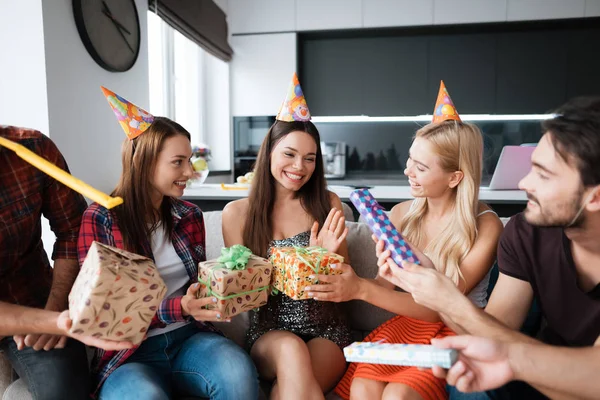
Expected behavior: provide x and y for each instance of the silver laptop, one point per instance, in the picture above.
(513, 165)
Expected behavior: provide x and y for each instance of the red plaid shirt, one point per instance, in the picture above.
(99, 224)
(25, 194)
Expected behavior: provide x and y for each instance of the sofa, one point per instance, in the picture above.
(363, 317)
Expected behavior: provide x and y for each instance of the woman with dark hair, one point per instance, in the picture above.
(295, 343)
(181, 355)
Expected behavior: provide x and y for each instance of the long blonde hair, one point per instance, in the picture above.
(459, 147)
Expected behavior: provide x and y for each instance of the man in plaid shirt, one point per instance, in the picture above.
(52, 366)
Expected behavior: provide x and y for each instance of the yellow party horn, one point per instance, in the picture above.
(233, 187)
(60, 175)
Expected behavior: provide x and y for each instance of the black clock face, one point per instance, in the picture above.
(110, 31)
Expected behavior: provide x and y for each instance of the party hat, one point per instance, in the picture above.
(294, 106)
(444, 108)
(133, 119)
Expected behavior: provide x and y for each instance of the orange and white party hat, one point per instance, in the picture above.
(294, 106)
(444, 107)
(133, 119)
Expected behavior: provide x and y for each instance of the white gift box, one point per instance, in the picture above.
(414, 355)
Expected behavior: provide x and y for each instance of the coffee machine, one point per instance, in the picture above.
(334, 159)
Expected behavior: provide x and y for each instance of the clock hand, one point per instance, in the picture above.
(124, 38)
(109, 15)
(107, 12)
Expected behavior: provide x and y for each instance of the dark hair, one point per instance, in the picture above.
(575, 135)
(258, 229)
(136, 216)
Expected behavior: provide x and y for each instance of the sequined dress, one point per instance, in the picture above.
(308, 319)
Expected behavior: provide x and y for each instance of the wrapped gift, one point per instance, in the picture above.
(294, 266)
(414, 355)
(382, 227)
(115, 295)
(238, 279)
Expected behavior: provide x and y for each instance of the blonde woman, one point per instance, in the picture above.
(450, 230)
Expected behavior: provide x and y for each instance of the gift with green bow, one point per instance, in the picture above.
(238, 280)
(294, 268)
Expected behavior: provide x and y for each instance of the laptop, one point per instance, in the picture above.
(513, 165)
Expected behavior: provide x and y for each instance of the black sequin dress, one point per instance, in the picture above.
(308, 319)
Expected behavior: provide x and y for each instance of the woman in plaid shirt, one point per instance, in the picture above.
(181, 355)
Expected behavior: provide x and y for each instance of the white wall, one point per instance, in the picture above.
(23, 100)
(80, 120)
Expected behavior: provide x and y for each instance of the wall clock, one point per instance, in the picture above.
(110, 31)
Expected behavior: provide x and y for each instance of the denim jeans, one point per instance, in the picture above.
(455, 394)
(51, 375)
(184, 362)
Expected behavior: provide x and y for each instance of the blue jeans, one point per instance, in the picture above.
(455, 394)
(184, 362)
(51, 375)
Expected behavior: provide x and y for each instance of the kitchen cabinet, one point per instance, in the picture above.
(314, 15)
(260, 72)
(386, 13)
(468, 11)
(261, 16)
(530, 10)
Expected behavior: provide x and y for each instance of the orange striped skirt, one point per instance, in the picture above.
(400, 329)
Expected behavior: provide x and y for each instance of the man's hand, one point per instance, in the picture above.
(483, 363)
(428, 287)
(40, 342)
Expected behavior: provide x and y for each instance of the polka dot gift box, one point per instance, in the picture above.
(381, 226)
(115, 295)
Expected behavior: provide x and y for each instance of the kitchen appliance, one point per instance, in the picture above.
(334, 159)
(248, 134)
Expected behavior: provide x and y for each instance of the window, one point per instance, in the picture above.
(190, 86)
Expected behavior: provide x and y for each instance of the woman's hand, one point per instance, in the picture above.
(333, 232)
(191, 305)
(336, 288)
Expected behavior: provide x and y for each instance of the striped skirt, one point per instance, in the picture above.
(400, 329)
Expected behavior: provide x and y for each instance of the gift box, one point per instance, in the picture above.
(414, 355)
(238, 279)
(293, 266)
(115, 295)
(382, 227)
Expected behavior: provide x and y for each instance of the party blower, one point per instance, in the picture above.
(60, 175)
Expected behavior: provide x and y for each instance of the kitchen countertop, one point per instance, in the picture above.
(381, 193)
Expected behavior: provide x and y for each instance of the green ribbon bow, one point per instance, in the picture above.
(235, 257)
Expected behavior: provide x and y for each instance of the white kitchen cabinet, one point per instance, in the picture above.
(389, 13)
(529, 10)
(259, 16)
(468, 11)
(260, 72)
(592, 8)
(314, 15)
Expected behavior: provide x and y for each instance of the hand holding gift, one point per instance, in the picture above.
(382, 227)
(295, 268)
(115, 295)
(239, 280)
